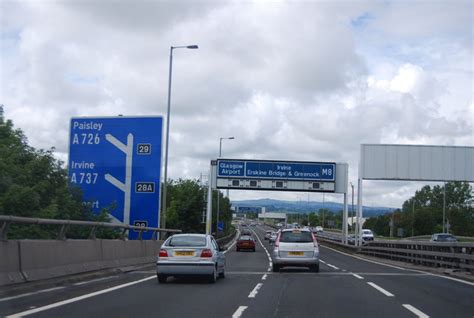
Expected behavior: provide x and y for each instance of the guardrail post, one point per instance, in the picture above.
(62, 232)
(92, 233)
(140, 234)
(4, 230)
(124, 232)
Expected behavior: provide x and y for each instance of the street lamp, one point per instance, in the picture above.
(352, 212)
(163, 208)
(218, 191)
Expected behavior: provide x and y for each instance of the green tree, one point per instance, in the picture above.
(34, 184)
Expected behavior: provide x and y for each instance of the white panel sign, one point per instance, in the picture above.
(417, 163)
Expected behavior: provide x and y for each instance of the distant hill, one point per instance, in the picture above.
(305, 207)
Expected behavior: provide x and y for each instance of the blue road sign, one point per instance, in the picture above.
(311, 171)
(220, 226)
(116, 161)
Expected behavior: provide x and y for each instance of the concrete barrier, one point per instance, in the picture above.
(30, 260)
(10, 271)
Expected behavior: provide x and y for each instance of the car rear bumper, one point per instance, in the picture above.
(296, 261)
(174, 268)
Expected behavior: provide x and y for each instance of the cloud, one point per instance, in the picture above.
(291, 81)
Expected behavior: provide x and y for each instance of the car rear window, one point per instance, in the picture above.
(296, 237)
(245, 238)
(187, 241)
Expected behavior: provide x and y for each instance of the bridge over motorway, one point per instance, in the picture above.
(346, 286)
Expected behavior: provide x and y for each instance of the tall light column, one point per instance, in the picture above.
(218, 191)
(165, 174)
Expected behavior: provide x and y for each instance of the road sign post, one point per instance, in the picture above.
(116, 161)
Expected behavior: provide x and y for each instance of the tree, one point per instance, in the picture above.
(34, 184)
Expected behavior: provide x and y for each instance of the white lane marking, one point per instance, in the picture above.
(254, 292)
(357, 276)
(380, 289)
(72, 300)
(235, 241)
(30, 294)
(322, 261)
(264, 277)
(367, 260)
(94, 280)
(417, 312)
(239, 311)
(261, 244)
(404, 269)
(335, 267)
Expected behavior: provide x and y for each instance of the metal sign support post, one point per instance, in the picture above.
(359, 212)
(212, 185)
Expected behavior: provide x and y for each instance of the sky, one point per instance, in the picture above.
(290, 80)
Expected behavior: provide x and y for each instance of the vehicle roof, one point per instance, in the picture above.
(291, 230)
(190, 234)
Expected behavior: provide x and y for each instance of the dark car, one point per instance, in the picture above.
(443, 237)
(245, 242)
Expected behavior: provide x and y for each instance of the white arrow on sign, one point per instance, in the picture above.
(127, 186)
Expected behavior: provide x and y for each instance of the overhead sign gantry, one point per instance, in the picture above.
(275, 175)
(278, 175)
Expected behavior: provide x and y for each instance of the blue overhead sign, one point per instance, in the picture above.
(280, 170)
(116, 161)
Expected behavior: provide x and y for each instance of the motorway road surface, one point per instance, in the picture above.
(346, 286)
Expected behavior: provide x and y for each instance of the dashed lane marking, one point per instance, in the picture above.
(239, 311)
(357, 276)
(380, 289)
(254, 292)
(401, 268)
(264, 277)
(332, 266)
(417, 312)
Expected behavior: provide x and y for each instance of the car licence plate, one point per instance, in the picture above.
(184, 253)
(296, 253)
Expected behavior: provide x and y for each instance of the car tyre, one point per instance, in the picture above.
(315, 268)
(276, 268)
(238, 249)
(162, 278)
(253, 250)
(222, 274)
(213, 276)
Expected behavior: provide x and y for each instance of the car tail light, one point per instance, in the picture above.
(206, 253)
(163, 253)
(314, 240)
(277, 241)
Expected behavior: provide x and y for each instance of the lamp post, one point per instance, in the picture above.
(165, 176)
(352, 212)
(218, 191)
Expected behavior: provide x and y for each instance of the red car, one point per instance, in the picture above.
(245, 242)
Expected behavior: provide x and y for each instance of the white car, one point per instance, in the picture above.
(296, 247)
(318, 229)
(367, 235)
(190, 254)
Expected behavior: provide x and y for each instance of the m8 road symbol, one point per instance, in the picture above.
(145, 187)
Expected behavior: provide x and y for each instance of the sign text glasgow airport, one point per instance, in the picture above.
(311, 171)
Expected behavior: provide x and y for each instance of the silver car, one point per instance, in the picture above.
(190, 254)
(296, 247)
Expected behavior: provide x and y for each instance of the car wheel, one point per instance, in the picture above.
(315, 268)
(162, 278)
(222, 274)
(276, 268)
(253, 250)
(238, 249)
(213, 276)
